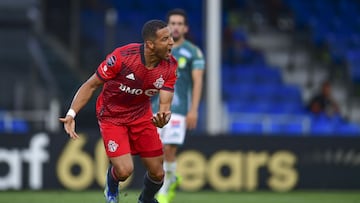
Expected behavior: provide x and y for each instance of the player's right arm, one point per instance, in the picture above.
(107, 70)
(81, 98)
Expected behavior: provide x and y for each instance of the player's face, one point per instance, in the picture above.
(163, 43)
(178, 26)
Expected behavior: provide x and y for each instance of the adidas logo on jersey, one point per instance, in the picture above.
(131, 76)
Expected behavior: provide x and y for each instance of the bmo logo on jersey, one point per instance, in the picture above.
(134, 91)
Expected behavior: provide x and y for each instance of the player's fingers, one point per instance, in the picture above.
(167, 116)
(155, 118)
(159, 116)
(155, 121)
(67, 129)
(164, 118)
(158, 120)
(190, 123)
(74, 135)
(191, 126)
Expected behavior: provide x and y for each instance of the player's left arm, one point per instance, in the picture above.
(192, 115)
(162, 117)
(198, 66)
(166, 93)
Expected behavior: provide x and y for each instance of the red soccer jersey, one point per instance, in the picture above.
(129, 84)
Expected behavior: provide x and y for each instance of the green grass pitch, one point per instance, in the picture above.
(185, 197)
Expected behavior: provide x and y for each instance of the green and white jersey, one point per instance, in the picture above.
(189, 57)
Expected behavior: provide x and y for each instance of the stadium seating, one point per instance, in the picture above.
(13, 125)
(259, 89)
(353, 62)
(250, 90)
(2, 126)
(252, 128)
(132, 15)
(334, 24)
(287, 128)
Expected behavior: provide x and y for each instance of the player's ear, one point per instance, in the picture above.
(186, 29)
(149, 44)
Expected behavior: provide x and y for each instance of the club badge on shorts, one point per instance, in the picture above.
(112, 146)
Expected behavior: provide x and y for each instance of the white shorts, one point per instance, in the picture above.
(174, 131)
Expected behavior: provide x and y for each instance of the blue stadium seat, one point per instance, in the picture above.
(233, 76)
(348, 129)
(2, 126)
(246, 128)
(321, 128)
(20, 126)
(287, 107)
(288, 128)
(268, 75)
(16, 126)
(289, 93)
(237, 106)
(353, 61)
(321, 124)
(266, 92)
(238, 92)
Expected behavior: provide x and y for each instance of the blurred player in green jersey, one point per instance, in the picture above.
(185, 105)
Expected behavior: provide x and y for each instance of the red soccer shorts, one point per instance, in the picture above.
(139, 137)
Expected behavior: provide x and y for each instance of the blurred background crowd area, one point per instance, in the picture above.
(288, 67)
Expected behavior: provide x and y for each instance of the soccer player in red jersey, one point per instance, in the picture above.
(129, 76)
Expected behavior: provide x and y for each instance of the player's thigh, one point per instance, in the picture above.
(144, 139)
(174, 132)
(115, 139)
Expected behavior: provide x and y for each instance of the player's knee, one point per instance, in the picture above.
(124, 171)
(157, 175)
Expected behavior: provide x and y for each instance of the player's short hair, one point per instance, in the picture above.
(150, 28)
(177, 11)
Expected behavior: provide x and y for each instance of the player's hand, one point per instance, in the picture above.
(160, 119)
(69, 126)
(191, 120)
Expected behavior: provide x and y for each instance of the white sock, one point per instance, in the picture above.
(170, 174)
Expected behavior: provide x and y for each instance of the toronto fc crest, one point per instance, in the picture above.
(159, 82)
(112, 146)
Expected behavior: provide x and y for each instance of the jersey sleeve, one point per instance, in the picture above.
(198, 61)
(110, 67)
(170, 82)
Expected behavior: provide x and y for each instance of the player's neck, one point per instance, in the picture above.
(152, 64)
(151, 61)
